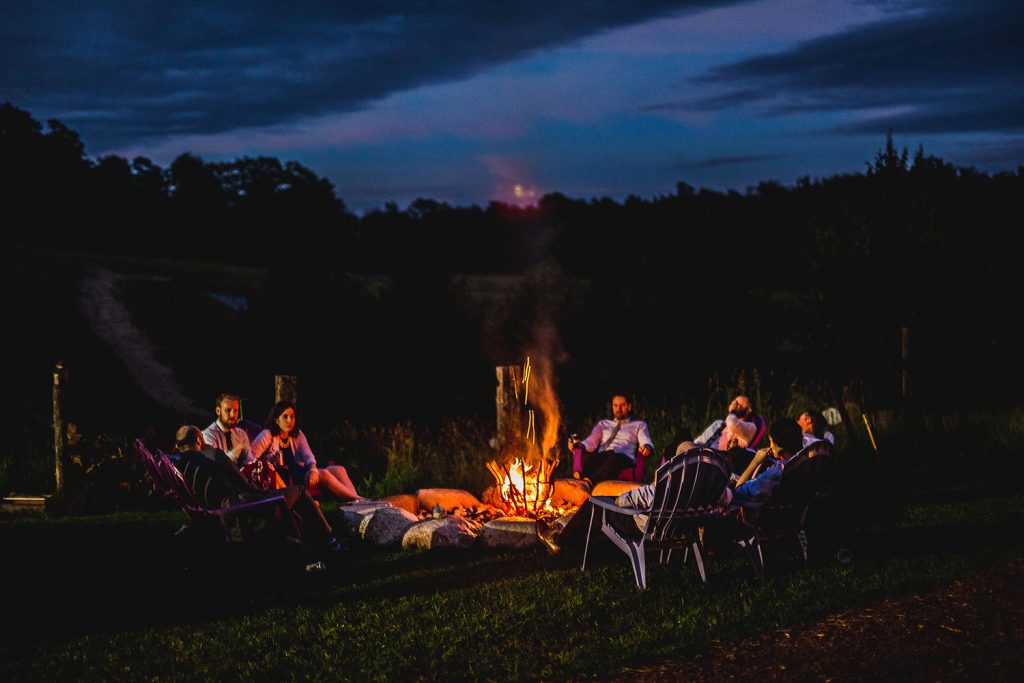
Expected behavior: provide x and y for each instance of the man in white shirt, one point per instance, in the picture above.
(737, 429)
(225, 433)
(612, 445)
(814, 426)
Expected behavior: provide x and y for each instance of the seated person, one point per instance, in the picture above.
(814, 428)
(216, 482)
(284, 445)
(225, 433)
(612, 445)
(748, 492)
(736, 434)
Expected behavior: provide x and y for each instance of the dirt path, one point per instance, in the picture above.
(100, 301)
(969, 629)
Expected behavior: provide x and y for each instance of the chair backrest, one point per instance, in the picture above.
(802, 475)
(762, 429)
(688, 486)
(636, 472)
(151, 462)
(177, 481)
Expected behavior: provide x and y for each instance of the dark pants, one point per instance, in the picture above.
(317, 530)
(574, 536)
(604, 465)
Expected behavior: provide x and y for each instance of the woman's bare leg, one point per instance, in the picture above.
(338, 483)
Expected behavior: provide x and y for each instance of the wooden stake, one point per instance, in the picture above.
(58, 429)
(285, 388)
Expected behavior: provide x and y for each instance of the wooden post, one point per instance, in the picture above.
(58, 429)
(909, 414)
(905, 362)
(286, 388)
(509, 403)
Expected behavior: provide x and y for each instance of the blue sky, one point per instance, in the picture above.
(466, 101)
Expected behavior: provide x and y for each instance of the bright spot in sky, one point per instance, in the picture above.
(523, 195)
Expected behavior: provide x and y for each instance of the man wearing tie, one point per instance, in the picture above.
(225, 433)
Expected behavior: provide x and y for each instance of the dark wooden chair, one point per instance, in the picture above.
(687, 491)
(170, 480)
(785, 514)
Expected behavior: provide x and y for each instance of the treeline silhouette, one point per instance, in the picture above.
(809, 282)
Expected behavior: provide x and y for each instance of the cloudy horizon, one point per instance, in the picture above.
(465, 103)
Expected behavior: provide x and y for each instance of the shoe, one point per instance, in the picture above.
(547, 535)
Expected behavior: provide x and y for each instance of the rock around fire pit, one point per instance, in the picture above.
(453, 518)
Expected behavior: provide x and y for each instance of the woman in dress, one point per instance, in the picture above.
(284, 445)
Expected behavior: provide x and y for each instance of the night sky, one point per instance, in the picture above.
(471, 101)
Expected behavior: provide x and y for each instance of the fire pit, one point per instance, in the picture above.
(524, 491)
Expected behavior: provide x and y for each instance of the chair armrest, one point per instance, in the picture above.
(248, 507)
(608, 503)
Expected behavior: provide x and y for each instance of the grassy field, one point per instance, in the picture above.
(113, 598)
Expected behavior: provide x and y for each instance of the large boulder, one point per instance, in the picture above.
(613, 487)
(348, 520)
(447, 532)
(386, 526)
(509, 532)
(448, 499)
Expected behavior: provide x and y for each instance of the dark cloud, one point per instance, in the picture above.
(713, 162)
(938, 67)
(124, 71)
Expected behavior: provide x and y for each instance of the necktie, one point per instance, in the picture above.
(227, 439)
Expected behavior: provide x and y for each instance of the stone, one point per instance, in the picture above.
(386, 526)
(569, 493)
(492, 496)
(613, 487)
(404, 501)
(448, 532)
(348, 519)
(509, 532)
(448, 499)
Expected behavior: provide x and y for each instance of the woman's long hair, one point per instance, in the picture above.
(275, 412)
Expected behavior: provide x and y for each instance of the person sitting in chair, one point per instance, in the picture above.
(814, 426)
(216, 482)
(284, 444)
(613, 445)
(224, 432)
(734, 435)
(747, 492)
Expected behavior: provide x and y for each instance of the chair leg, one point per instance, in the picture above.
(753, 549)
(700, 561)
(590, 530)
(637, 555)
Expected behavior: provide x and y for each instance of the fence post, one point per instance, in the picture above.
(286, 388)
(58, 429)
(909, 414)
(509, 407)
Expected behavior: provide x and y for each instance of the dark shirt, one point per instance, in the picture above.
(214, 479)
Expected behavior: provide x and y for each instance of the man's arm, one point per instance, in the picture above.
(593, 440)
(643, 437)
(758, 458)
(757, 492)
(709, 433)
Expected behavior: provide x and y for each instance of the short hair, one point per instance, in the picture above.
(787, 434)
(226, 397)
(623, 394)
(275, 412)
(186, 436)
(817, 422)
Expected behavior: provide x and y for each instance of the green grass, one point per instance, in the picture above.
(121, 606)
